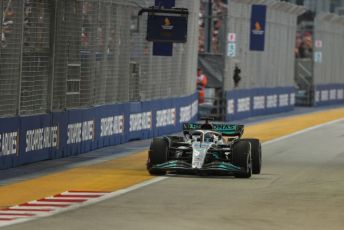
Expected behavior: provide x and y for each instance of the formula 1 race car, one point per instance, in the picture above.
(206, 149)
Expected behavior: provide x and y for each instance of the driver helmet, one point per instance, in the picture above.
(209, 137)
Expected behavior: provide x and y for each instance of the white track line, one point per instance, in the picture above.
(30, 207)
(84, 193)
(105, 196)
(47, 203)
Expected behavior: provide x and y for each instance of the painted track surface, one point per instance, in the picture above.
(297, 186)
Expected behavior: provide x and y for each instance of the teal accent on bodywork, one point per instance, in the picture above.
(228, 129)
(225, 129)
(216, 156)
(212, 166)
(191, 126)
(169, 164)
(228, 166)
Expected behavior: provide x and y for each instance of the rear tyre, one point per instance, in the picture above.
(242, 158)
(256, 153)
(157, 155)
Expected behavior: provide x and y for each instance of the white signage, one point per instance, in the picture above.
(271, 101)
(230, 106)
(317, 96)
(318, 43)
(231, 37)
(231, 50)
(258, 102)
(140, 121)
(165, 117)
(185, 114)
(292, 99)
(79, 132)
(194, 109)
(283, 100)
(324, 95)
(244, 104)
(111, 125)
(318, 57)
(38, 139)
(8, 143)
(333, 94)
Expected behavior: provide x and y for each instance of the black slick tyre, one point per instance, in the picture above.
(242, 158)
(157, 154)
(256, 154)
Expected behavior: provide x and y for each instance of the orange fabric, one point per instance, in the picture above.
(201, 84)
(201, 96)
(202, 80)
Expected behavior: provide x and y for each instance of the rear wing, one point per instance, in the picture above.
(191, 126)
(229, 129)
(224, 129)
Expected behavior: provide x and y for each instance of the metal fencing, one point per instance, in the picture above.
(60, 54)
(168, 76)
(273, 67)
(11, 27)
(328, 49)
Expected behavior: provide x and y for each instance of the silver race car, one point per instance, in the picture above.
(206, 149)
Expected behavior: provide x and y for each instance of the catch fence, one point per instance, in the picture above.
(63, 54)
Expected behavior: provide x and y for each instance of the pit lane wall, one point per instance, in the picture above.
(267, 74)
(60, 134)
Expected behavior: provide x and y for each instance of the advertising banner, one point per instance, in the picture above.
(163, 48)
(257, 28)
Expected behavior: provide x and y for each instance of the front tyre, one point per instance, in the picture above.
(157, 154)
(242, 158)
(256, 152)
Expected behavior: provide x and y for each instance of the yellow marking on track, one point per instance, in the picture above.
(280, 127)
(129, 170)
(108, 176)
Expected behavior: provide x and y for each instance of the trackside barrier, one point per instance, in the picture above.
(328, 61)
(244, 103)
(60, 134)
(265, 56)
(329, 94)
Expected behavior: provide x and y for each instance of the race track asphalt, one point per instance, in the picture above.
(301, 187)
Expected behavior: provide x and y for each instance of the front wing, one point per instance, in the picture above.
(218, 167)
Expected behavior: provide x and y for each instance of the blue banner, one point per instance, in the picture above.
(257, 28)
(163, 48)
(165, 3)
(244, 103)
(329, 94)
(60, 134)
